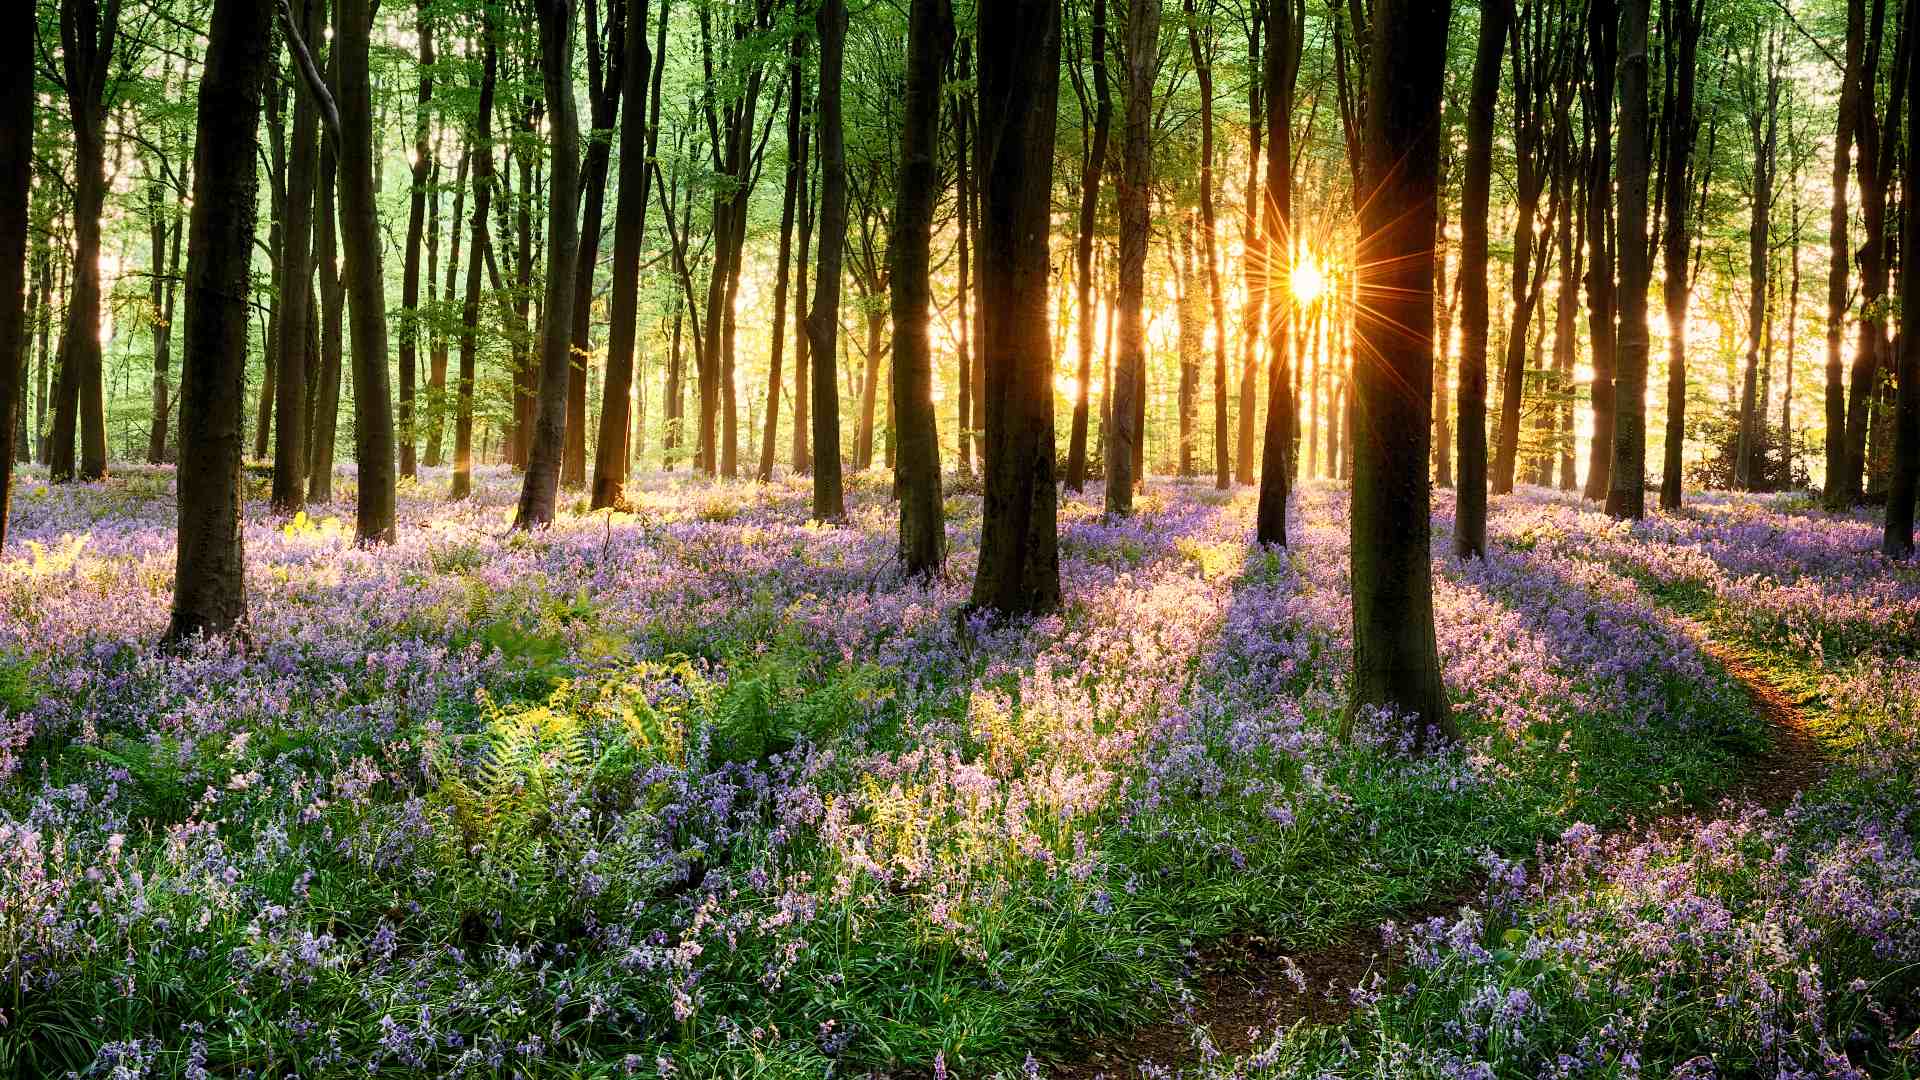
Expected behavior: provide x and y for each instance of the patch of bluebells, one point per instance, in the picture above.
(763, 791)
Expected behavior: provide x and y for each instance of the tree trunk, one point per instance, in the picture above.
(1396, 664)
(802, 375)
(789, 205)
(323, 432)
(823, 325)
(1252, 260)
(1019, 86)
(16, 190)
(1140, 49)
(1470, 508)
(1192, 341)
(1603, 41)
(366, 287)
(276, 104)
(604, 87)
(1626, 495)
(209, 594)
(88, 34)
(542, 482)
(1840, 257)
(1203, 71)
(1897, 540)
(916, 193)
(629, 235)
(1679, 128)
(1093, 167)
(437, 373)
(1748, 455)
(290, 452)
(165, 234)
(410, 318)
(1285, 24)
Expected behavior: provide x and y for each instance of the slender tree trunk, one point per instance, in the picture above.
(209, 594)
(1603, 41)
(1470, 513)
(1140, 47)
(1094, 166)
(410, 319)
(437, 373)
(542, 482)
(1442, 344)
(604, 86)
(629, 235)
(1019, 86)
(322, 433)
(1897, 540)
(802, 375)
(1680, 128)
(16, 190)
(165, 234)
(88, 34)
(1192, 341)
(789, 204)
(1626, 496)
(1252, 261)
(277, 94)
(1285, 22)
(1840, 258)
(917, 191)
(1396, 664)
(1748, 455)
(290, 453)
(366, 289)
(964, 246)
(823, 325)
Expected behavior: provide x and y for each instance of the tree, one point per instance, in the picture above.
(1678, 131)
(1603, 31)
(1626, 495)
(1839, 258)
(789, 207)
(1396, 661)
(541, 484)
(209, 590)
(823, 324)
(1019, 80)
(410, 315)
(1470, 508)
(290, 453)
(1282, 69)
(1140, 47)
(917, 479)
(88, 38)
(1761, 91)
(1897, 539)
(629, 232)
(462, 484)
(16, 189)
(605, 86)
(1090, 174)
(1203, 72)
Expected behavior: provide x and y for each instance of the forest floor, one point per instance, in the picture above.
(703, 789)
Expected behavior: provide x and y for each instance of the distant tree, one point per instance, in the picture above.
(1285, 39)
(1092, 168)
(1396, 662)
(290, 453)
(1603, 53)
(1140, 47)
(462, 485)
(1679, 128)
(209, 591)
(1200, 41)
(540, 487)
(789, 208)
(1019, 81)
(606, 55)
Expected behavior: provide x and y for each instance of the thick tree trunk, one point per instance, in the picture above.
(209, 593)
(366, 287)
(290, 453)
(1470, 507)
(629, 234)
(1019, 84)
(1679, 129)
(917, 191)
(541, 485)
(1093, 168)
(1626, 495)
(1878, 139)
(1285, 24)
(823, 324)
(1396, 664)
(1140, 48)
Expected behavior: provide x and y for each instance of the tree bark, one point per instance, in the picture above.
(88, 35)
(1470, 507)
(1679, 128)
(1093, 167)
(1019, 84)
(1626, 494)
(916, 193)
(1396, 663)
(789, 205)
(1603, 41)
(823, 324)
(1251, 263)
(410, 318)
(1140, 48)
(168, 239)
(322, 433)
(209, 595)
(290, 453)
(1285, 23)
(16, 189)
(541, 484)
(605, 87)
(1897, 539)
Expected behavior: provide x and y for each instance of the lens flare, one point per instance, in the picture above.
(1307, 281)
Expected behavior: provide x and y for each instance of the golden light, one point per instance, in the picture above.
(1307, 281)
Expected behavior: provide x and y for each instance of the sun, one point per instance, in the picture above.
(1307, 282)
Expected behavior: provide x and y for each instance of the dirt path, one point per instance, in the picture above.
(1247, 986)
